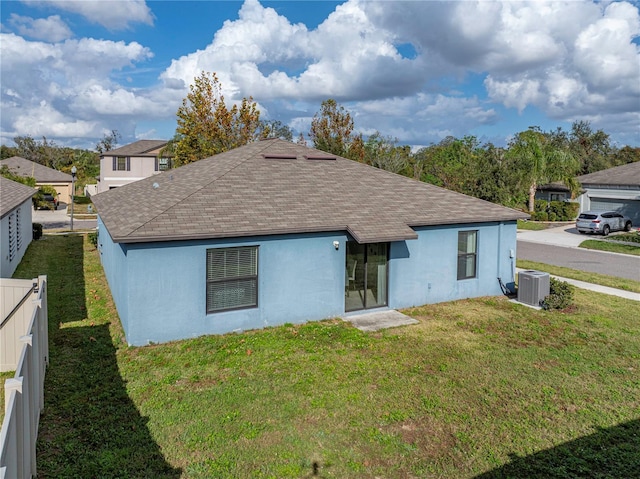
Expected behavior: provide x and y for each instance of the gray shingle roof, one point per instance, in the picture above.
(42, 174)
(137, 148)
(243, 193)
(624, 175)
(12, 194)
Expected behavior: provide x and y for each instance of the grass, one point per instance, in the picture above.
(532, 225)
(479, 387)
(3, 377)
(601, 279)
(611, 246)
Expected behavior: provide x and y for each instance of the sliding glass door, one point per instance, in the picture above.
(366, 275)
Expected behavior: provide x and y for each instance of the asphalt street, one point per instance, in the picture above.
(612, 264)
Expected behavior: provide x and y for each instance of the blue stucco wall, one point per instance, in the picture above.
(300, 278)
(114, 262)
(160, 288)
(424, 271)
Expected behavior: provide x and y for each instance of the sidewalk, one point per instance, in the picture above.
(595, 287)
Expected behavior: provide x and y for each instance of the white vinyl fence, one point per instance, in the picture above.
(24, 347)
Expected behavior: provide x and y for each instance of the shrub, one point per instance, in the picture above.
(563, 210)
(560, 295)
(552, 216)
(37, 231)
(93, 238)
(540, 205)
(539, 216)
(81, 200)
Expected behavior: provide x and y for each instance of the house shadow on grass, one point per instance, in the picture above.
(608, 453)
(89, 427)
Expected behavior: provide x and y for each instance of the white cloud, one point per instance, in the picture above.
(568, 59)
(64, 89)
(44, 120)
(111, 14)
(51, 29)
(264, 54)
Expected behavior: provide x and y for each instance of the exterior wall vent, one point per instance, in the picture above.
(320, 157)
(533, 287)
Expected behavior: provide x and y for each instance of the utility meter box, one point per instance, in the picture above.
(533, 287)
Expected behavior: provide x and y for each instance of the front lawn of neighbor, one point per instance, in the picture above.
(479, 387)
(612, 246)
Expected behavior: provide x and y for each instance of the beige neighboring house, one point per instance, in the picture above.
(131, 162)
(43, 175)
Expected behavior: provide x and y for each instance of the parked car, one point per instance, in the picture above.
(602, 222)
(45, 200)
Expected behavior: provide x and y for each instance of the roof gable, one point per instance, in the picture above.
(42, 174)
(12, 194)
(624, 175)
(138, 148)
(276, 187)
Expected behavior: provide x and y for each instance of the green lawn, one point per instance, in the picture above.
(532, 225)
(602, 279)
(612, 246)
(480, 386)
(3, 376)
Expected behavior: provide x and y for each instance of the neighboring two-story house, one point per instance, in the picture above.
(131, 162)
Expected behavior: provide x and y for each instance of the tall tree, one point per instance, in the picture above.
(332, 131)
(592, 148)
(206, 125)
(275, 129)
(450, 163)
(540, 161)
(384, 153)
(108, 142)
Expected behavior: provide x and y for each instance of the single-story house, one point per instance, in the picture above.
(616, 189)
(43, 175)
(16, 230)
(556, 191)
(274, 232)
(132, 162)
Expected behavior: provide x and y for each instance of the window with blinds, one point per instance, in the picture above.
(467, 254)
(232, 278)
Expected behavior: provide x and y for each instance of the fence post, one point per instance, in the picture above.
(13, 390)
(30, 411)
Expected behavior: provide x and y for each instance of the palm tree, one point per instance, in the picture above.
(541, 162)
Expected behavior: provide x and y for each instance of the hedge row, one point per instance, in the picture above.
(554, 211)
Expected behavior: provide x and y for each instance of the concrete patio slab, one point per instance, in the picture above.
(374, 321)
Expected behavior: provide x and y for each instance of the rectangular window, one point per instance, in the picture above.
(232, 278)
(121, 163)
(467, 254)
(164, 164)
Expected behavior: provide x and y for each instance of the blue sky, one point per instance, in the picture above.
(417, 71)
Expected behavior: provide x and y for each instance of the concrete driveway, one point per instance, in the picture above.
(61, 219)
(566, 235)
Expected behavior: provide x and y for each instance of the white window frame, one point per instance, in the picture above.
(467, 260)
(232, 278)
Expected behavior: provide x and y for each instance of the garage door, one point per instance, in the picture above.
(630, 208)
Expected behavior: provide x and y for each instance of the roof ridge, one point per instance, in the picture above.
(229, 170)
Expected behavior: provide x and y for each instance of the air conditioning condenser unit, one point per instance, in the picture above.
(533, 287)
